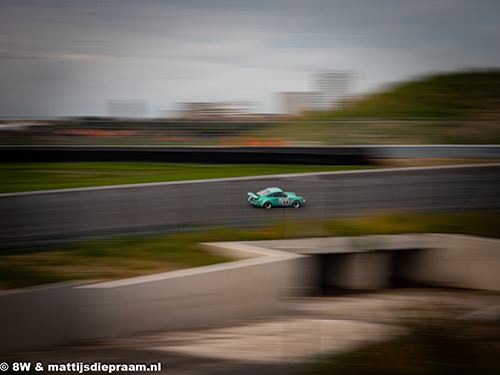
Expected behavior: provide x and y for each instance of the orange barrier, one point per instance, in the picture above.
(249, 141)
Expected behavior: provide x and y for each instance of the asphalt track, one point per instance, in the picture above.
(154, 206)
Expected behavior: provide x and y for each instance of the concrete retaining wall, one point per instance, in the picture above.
(461, 262)
(42, 316)
(378, 262)
(64, 313)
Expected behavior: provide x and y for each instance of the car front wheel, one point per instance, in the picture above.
(296, 204)
(267, 205)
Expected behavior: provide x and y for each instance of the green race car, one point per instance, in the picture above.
(275, 197)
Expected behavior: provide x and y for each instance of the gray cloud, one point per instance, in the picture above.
(69, 57)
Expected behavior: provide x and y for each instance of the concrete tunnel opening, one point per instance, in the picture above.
(343, 273)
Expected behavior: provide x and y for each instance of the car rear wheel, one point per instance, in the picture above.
(267, 205)
(296, 204)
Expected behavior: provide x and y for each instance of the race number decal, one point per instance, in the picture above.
(285, 201)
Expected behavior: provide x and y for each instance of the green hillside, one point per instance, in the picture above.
(473, 94)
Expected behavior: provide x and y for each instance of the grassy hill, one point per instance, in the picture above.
(472, 95)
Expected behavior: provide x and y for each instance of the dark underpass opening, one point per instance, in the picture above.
(344, 273)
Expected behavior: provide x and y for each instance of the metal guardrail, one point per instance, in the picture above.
(327, 155)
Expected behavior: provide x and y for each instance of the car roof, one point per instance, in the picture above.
(274, 190)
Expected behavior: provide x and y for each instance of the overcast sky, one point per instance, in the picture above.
(71, 57)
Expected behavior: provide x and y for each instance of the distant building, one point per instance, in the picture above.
(333, 88)
(297, 103)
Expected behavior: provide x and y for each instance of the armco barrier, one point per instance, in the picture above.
(120, 209)
(258, 154)
(64, 313)
(243, 151)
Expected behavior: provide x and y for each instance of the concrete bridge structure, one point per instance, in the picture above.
(253, 285)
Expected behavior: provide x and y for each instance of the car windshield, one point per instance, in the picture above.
(263, 192)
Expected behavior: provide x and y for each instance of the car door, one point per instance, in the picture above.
(282, 199)
(274, 199)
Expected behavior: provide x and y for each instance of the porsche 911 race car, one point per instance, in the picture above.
(275, 197)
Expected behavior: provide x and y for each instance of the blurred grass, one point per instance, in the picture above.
(310, 132)
(19, 177)
(134, 256)
(103, 260)
(432, 348)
